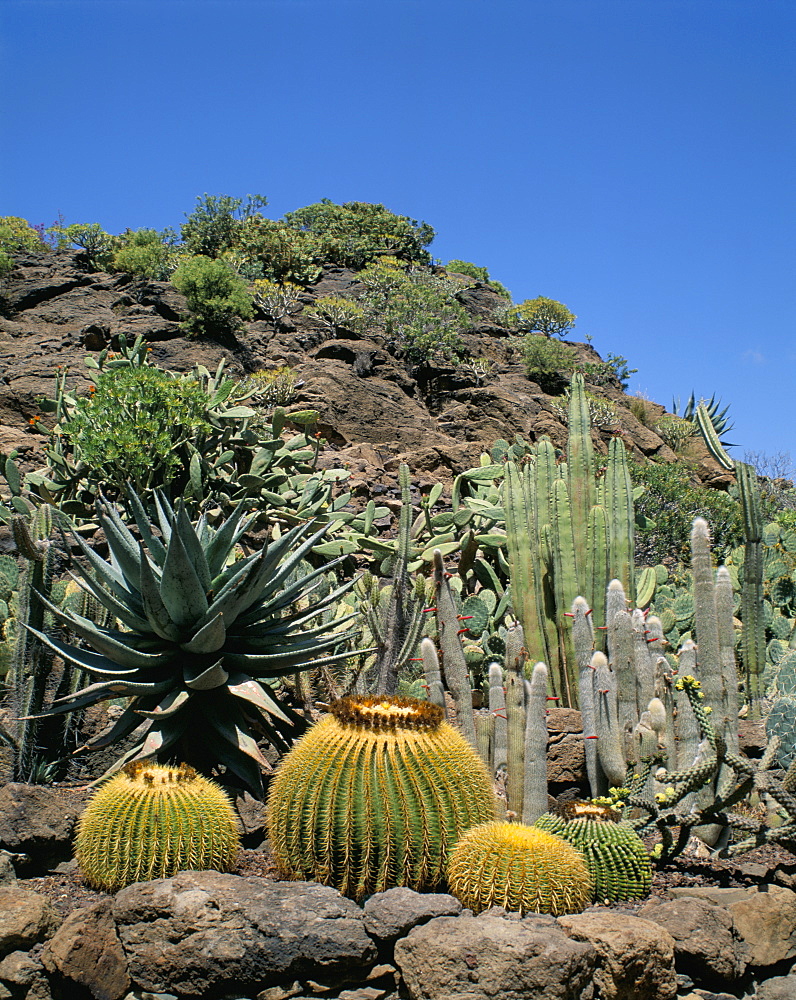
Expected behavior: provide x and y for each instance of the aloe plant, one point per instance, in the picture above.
(203, 637)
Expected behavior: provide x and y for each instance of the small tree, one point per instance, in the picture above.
(545, 316)
(216, 296)
(212, 225)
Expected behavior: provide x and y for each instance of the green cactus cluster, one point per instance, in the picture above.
(375, 795)
(615, 854)
(150, 822)
(520, 868)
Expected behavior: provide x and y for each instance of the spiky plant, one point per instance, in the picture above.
(150, 822)
(520, 868)
(375, 795)
(202, 638)
(617, 859)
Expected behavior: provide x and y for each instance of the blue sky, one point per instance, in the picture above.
(631, 158)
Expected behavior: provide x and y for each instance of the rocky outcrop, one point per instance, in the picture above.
(54, 311)
(38, 822)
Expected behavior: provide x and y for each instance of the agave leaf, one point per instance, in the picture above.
(208, 639)
(128, 722)
(156, 612)
(300, 588)
(111, 578)
(180, 587)
(241, 686)
(225, 538)
(230, 724)
(240, 764)
(285, 668)
(287, 623)
(162, 734)
(276, 638)
(108, 601)
(170, 705)
(109, 642)
(152, 542)
(123, 547)
(289, 652)
(193, 548)
(206, 678)
(101, 691)
(261, 591)
(95, 663)
(165, 516)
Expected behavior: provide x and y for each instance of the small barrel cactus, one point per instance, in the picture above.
(519, 868)
(375, 795)
(617, 859)
(150, 821)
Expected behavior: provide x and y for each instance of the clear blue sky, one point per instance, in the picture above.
(631, 158)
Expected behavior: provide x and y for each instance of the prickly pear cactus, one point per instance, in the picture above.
(150, 822)
(781, 722)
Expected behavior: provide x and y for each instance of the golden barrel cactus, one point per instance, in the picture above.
(375, 795)
(519, 868)
(150, 821)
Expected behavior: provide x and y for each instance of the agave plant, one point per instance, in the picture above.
(202, 637)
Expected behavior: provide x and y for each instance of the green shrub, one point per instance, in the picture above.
(542, 316)
(337, 312)
(145, 253)
(6, 263)
(129, 428)
(547, 362)
(479, 273)
(416, 310)
(357, 232)
(666, 510)
(281, 252)
(276, 299)
(17, 235)
(216, 296)
(675, 432)
(213, 225)
(613, 369)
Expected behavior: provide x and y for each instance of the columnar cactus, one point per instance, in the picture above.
(375, 795)
(151, 822)
(520, 868)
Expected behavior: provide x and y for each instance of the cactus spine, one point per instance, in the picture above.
(150, 822)
(534, 801)
(375, 795)
(753, 639)
(454, 664)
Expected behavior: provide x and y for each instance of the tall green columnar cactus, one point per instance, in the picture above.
(729, 668)
(454, 664)
(32, 660)
(753, 638)
(566, 533)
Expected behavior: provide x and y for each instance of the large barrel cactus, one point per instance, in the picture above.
(150, 822)
(520, 868)
(375, 795)
(617, 859)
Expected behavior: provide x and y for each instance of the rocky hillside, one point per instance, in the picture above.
(375, 410)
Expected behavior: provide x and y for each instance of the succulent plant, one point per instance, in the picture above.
(617, 859)
(150, 822)
(204, 637)
(520, 868)
(375, 795)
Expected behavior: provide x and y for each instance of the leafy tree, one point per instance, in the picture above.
(281, 252)
(544, 316)
(357, 232)
(216, 296)
(210, 228)
(89, 236)
(479, 273)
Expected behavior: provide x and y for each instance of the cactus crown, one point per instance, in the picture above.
(379, 713)
(579, 809)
